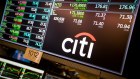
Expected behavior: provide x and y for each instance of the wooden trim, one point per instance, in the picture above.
(11, 45)
(106, 75)
(72, 64)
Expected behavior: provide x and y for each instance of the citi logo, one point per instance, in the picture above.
(82, 43)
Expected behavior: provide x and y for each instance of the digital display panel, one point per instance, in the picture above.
(13, 70)
(95, 33)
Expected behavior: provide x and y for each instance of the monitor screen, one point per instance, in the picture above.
(95, 33)
(13, 70)
(19, 56)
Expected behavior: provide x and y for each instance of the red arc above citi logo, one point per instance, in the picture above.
(82, 42)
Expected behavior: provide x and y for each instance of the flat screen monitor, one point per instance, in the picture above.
(13, 70)
(95, 33)
(19, 56)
